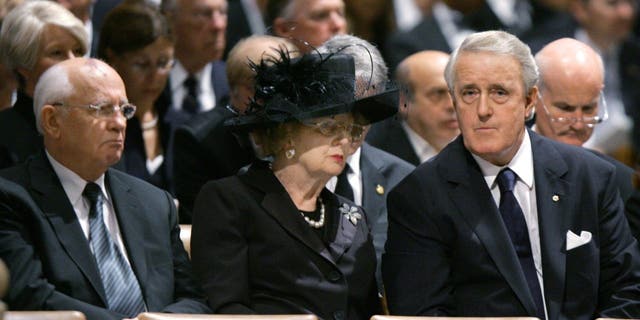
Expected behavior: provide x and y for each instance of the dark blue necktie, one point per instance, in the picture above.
(343, 187)
(519, 233)
(190, 103)
(120, 284)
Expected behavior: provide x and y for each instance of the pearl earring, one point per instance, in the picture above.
(290, 153)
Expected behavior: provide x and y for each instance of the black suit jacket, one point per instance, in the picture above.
(388, 135)
(448, 251)
(19, 138)
(254, 253)
(51, 264)
(205, 150)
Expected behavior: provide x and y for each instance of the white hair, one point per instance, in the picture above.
(53, 86)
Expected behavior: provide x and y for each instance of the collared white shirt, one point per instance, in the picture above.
(354, 176)
(525, 193)
(423, 149)
(407, 13)
(73, 186)
(206, 96)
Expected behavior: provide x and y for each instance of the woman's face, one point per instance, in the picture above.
(57, 44)
(145, 71)
(322, 144)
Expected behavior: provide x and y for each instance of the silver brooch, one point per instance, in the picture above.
(351, 213)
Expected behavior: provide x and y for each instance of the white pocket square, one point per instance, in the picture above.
(574, 241)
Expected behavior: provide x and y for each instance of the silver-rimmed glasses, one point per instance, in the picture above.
(104, 110)
(332, 128)
(564, 117)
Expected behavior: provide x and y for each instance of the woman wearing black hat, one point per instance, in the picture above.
(272, 239)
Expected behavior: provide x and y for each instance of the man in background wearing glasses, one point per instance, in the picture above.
(571, 101)
(81, 236)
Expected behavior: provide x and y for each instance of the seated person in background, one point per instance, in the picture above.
(273, 239)
(87, 237)
(504, 222)
(136, 41)
(427, 121)
(34, 36)
(571, 101)
(204, 149)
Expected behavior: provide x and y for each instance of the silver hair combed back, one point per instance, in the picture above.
(53, 87)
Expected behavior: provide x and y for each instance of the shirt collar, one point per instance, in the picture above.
(354, 161)
(521, 164)
(422, 148)
(72, 183)
(179, 74)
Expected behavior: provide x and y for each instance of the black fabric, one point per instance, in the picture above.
(343, 187)
(190, 102)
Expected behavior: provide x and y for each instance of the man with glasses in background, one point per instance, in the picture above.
(81, 236)
(571, 100)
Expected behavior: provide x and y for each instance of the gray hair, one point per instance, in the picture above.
(498, 42)
(53, 86)
(369, 64)
(22, 30)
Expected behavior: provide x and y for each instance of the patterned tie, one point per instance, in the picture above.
(519, 233)
(343, 187)
(190, 103)
(120, 284)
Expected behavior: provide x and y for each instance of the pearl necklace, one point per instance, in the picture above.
(316, 224)
(148, 125)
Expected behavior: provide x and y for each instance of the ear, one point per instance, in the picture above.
(282, 27)
(50, 121)
(531, 100)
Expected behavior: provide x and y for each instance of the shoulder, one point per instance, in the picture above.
(204, 124)
(138, 185)
(385, 161)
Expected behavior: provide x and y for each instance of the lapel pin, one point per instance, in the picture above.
(555, 198)
(380, 189)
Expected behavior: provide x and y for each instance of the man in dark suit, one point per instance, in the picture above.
(197, 82)
(204, 142)
(571, 101)
(504, 222)
(427, 121)
(81, 236)
(370, 172)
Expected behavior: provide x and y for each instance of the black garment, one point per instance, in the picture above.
(19, 138)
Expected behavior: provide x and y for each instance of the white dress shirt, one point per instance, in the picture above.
(73, 186)
(206, 96)
(525, 193)
(354, 176)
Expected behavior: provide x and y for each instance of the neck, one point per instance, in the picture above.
(188, 63)
(86, 171)
(303, 188)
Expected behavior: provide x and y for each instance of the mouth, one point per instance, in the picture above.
(338, 158)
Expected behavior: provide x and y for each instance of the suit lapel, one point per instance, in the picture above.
(346, 228)
(470, 194)
(278, 204)
(552, 191)
(48, 193)
(131, 223)
(373, 201)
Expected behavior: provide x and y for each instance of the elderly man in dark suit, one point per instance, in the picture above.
(83, 236)
(504, 222)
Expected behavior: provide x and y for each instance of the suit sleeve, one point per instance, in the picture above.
(189, 164)
(188, 297)
(415, 266)
(219, 248)
(29, 288)
(619, 260)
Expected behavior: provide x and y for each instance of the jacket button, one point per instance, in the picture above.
(334, 276)
(338, 315)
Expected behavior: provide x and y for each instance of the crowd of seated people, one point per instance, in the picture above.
(330, 157)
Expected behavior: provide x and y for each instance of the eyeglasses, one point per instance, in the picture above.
(332, 128)
(590, 121)
(162, 66)
(105, 110)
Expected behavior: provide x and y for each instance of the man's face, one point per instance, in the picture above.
(491, 104)
(314, 21)
(430, 113)
(199, 26)
(607, 19)
(92, 142)
(562, 101)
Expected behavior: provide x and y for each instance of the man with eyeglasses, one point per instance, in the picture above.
(571, 102)
(77, 235)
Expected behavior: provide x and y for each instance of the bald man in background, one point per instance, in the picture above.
(427, 121)
(572, 102)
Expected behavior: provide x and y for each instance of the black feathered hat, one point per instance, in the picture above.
(313, 85)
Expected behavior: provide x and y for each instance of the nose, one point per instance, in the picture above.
(218, 20)
(70, 55)
(626, 9)
(484, 110)
(338, 23)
